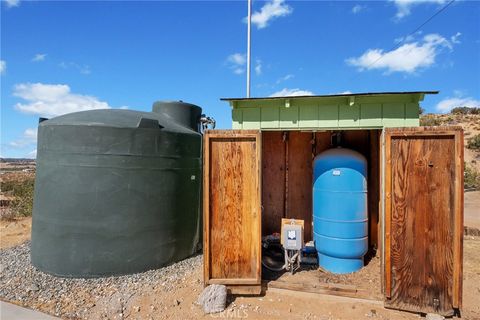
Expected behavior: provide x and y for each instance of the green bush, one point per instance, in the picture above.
(474, 142)
(471, 178)
(23, 192)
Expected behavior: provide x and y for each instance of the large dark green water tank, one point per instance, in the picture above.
(117, 191)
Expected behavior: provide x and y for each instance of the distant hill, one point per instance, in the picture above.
(17, 160)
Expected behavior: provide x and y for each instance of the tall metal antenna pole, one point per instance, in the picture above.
(249, 31)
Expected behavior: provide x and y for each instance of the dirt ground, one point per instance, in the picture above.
(365, 283)
(14, 232)
(472, 209)
(154, 302)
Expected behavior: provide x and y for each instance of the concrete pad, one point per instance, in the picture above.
(9, 311)
(472, 209)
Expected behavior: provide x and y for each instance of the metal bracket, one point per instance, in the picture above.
(351, 100)
(292, 257)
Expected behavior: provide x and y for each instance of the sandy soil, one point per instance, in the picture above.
(14, 232)
(153, 301)
(472, 209)
(365, 283)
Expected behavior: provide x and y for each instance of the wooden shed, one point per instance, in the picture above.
(261, 171)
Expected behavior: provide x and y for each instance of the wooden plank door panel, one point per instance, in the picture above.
(423, 219)
(232, 214)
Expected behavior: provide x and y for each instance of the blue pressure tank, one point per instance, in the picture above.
(340, 216)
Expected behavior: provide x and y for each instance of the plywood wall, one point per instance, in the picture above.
(299, 192)
(273, 181)
(287, 159)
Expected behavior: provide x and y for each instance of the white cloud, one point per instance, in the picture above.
(237, 62)
(238, 70)
(29, 137)
(448, 103)
(408, 38)
(270, 11)
(258, 67)
(407, 58)
(30, 134)
(32, 154)
(12, 3)
(39, 57)
(237, 58)
(83, 69)
(285, 78)
(404, 6)
(285, 92)
(50, 100)
(357, 8)
(3, 66)
(454, 38)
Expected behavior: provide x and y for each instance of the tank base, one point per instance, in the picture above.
(339, 265)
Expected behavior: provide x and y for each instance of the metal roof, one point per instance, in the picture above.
(332, 95)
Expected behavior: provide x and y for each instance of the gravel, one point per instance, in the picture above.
(21, 283)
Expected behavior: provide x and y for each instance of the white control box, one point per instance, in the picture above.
(292, 236)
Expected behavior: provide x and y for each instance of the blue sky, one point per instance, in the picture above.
(59, 57)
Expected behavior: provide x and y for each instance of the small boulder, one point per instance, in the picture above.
(213, 299)
(434, 316)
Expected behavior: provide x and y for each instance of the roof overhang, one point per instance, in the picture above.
(420, 95)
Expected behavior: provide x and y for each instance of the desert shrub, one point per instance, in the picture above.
(23, 192)
(471, 178)
(465, 110)
(475, 111)
(474, 142)
(429, 121)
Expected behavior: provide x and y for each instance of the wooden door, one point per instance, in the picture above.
(424, 219)
(232, 210)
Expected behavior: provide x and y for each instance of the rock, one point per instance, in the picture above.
(213, 299)
(33, 287)
(434, 316)
(372, 313)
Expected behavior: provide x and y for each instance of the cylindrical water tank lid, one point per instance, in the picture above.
(185, 114)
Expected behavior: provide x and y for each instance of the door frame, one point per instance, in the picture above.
(447, 131)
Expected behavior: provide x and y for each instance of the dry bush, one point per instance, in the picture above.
(22, 190)
(474, 142)
(471, 177)
(429, 120)
(7, 213)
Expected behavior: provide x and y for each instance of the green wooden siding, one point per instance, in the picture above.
(326, 113)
